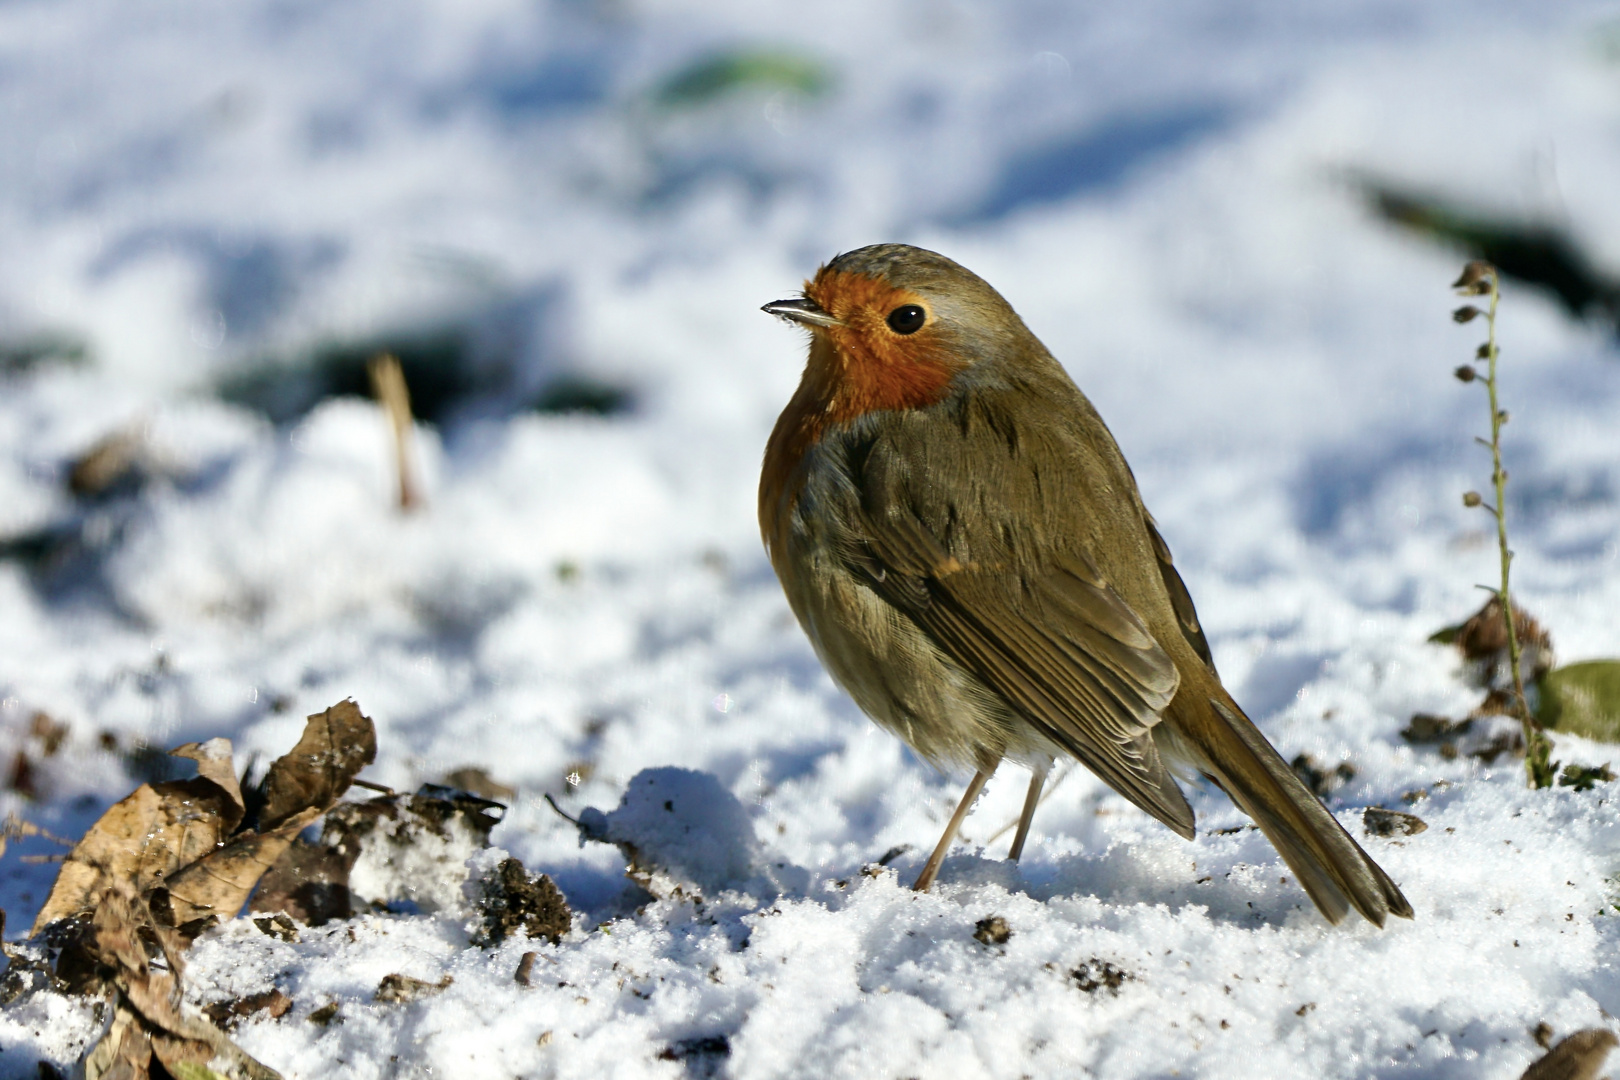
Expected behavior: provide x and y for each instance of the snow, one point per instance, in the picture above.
(1166, 195)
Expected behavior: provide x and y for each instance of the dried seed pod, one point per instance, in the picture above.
(1466, 313)
(1476, 278)
(1471, 498)
(1466, 373)
(1484, 350)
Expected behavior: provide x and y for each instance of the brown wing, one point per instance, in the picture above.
(1180, 598)
(1056, 642)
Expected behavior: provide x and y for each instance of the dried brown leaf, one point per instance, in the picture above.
(399, 989)
(177, 1053)
(1578, 1057)
(272, 1002)
(142, 839)
(335, 746)
(525, 968)
(150, 1019)
(1484, 635)
(123, 1053)
(476, 781)
(219, 882)
(214, 763)
(1429, 728)
(110, 460)
(310, 882)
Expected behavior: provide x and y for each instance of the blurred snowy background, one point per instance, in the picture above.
(563, 216)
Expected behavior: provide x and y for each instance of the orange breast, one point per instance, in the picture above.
(855, 368)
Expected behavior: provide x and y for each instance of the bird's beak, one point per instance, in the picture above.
(803, 310)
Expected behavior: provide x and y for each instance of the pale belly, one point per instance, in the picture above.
(897, 674)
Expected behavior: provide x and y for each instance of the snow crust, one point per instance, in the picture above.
(1165, 193)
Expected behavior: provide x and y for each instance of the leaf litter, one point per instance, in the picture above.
(175, 858)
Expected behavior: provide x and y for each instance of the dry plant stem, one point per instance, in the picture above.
(388, 385)
(930, 870)
(1538, 771)
(1499, 510)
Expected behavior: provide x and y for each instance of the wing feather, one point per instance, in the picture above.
(1059, 644)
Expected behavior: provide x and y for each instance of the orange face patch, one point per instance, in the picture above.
(871, 367)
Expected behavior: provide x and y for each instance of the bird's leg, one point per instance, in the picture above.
(930, 870)
(1037, 780)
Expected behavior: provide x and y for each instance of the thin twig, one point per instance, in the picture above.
(388, 385)
(574, 821)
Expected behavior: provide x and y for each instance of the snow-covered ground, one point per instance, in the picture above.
(192, 191)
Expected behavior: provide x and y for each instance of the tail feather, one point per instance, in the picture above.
(1335, 871)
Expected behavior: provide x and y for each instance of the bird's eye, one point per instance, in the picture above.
(907, 319)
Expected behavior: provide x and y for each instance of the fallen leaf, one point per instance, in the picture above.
(143, 839)
(325, 1015)
(272, 1002)
(1577, 1057)
(124, 1052)
(214, 763)
(185, 1070)
(149, 1000)
(310, 882)
(335, 746)
(1583, 699)
(50, 733)
(401, 989)
(477, 781)
(219, 883)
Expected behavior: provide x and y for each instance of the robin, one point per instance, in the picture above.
(966, 548)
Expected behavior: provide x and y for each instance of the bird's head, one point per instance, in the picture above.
(894, 327)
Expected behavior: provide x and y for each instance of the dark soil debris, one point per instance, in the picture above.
(1320, 779)
(325, 1015)
(1430, 728)
(513, 901)
(229, 1013)
(1585, 777)
(702, 1056)
(278, 926)
(992, 931)
(1381, 822)
(397, 989)
(1097, 974)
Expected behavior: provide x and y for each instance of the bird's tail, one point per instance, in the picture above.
(1336, 873)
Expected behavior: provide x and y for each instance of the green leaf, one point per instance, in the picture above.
(1583, 699)
(720, 74)
(1446, 635)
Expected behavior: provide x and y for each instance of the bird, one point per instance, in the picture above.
(962, 541)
